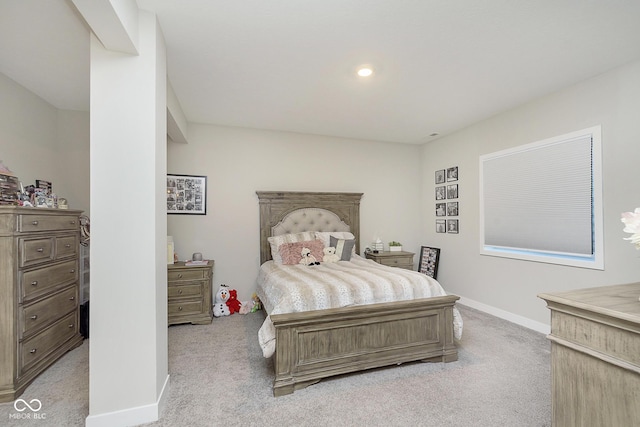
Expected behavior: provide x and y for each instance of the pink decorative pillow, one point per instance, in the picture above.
(291, 253)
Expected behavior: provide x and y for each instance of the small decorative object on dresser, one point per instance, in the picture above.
(377, 245)
(9, 186)
(39, 314)
(189, 293)
(395, 246)
(429, 259)
(393, 259)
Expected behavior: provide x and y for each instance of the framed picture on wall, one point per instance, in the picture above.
(452, 173)
(440, 176)
(452, 208)
(452, 226)
(186, 194)
(441, 226)
(429, 258)
(452, 191)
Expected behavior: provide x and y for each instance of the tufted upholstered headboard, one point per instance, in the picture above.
(284, 212)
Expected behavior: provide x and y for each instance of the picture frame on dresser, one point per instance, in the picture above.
(428, 261)
(186, 194)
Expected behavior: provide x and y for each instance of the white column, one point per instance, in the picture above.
(128, 368)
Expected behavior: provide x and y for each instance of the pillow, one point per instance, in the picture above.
(291, 253)
(325, 236)
(276, 241)
(344, 247)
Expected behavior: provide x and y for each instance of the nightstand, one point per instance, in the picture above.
(189, 293)
(398, 259)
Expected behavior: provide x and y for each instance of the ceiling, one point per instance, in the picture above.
(289, 65)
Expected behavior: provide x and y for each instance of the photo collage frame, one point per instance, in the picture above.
(186, 194)
(447, 208)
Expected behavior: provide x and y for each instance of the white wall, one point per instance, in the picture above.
(238, 162)
(72, 181)
(128, 358)
(399, 207)
(38, 141)
(612, 100)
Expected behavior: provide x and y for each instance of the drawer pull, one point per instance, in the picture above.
(40, 250)
(33, 351)
(34, 222)
(34, 317)
(180, 276)
(180, 291)
(72, 298)
(70, 325)
(179, 308)
(73, 270)
(34, 283)
(67, 245)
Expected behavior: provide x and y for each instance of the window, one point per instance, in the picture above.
(543, 201)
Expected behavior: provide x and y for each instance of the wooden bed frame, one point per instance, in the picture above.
(318, 344)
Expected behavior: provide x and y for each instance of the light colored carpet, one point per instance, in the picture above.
(219, 378)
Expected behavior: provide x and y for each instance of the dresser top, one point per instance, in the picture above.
(389, 253)
(619, 301)
(37, 211)
(182, 264)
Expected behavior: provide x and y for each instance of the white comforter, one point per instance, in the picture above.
(296, 288)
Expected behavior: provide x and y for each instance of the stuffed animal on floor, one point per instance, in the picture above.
(246, 307)
(308, 258)
(330, 255)
(257, 304)
(220, 307)
(251, 306)
(233, 303)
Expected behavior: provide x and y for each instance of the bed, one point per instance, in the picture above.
(348, 333)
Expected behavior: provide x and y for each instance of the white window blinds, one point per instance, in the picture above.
(538, 200)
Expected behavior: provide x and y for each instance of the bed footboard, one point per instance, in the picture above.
(323, 343)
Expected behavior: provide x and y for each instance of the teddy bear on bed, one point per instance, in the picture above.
(220, 307)
(308, 258)
(330, 255)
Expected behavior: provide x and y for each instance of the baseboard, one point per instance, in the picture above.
(514, 318)
(132, 416)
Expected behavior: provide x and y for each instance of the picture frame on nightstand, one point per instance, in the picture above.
(428, 262)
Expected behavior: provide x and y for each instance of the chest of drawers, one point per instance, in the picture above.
(398, 259)
(189, 293)
(595, 356)
(39, 292)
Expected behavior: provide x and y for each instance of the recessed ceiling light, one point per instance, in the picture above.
(365, 71)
